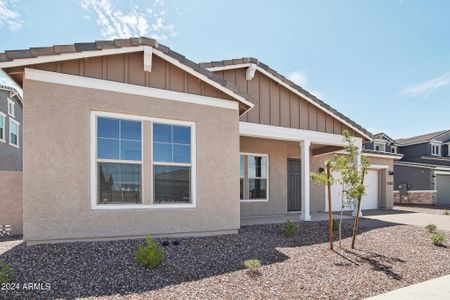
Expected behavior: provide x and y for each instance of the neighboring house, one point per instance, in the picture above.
(423, 174)
(126, 137)
(381, 143)
(10, 160)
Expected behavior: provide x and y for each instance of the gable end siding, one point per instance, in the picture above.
(277, 106)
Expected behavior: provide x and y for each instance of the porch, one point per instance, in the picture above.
(276, 163)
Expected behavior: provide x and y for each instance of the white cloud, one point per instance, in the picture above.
(425, 88)
(137, 21)
(9, 16)
(300, 78)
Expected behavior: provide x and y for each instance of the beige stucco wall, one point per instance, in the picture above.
(11, 200)
(57, 202)
(386, 186)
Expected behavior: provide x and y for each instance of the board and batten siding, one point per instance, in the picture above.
(276, 105)
(129, 68)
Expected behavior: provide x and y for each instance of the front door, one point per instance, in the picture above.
(294, 200)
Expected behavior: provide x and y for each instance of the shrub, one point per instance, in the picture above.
(6, 273)
(252, 265)
(446, 212)
(335, 224)
(431, 228)
(438, 238)
(151, 254)
(290, 228)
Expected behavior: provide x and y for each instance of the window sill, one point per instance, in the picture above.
(18, 147)
(254, 200)
(141, 206)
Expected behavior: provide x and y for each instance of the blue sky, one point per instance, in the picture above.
(385, 64)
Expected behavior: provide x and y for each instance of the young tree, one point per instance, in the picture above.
(350, 178)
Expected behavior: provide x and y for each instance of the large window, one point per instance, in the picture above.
(254, 177)
(14, 133)
(172, 163)
(119, 161)
(2, 126)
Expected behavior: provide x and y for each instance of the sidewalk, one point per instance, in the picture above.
(436, 289)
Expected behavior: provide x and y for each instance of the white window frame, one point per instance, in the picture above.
(18, 133)
(438, 148)
(394, 149)
(144, 166)
(11, 108)
(3, 116)
(381, 144)
(192, 164)
(248, 178)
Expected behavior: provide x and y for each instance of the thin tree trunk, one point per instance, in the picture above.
(340, 219)
(356, 222)
(330, 213)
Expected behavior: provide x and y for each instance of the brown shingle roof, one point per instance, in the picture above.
(421, 138)
(247, 60)
(11, 55)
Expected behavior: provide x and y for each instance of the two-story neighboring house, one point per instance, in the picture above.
(423, 174)
(10, 159)
(381, 143)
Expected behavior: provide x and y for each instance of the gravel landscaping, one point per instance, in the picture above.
(387, 258)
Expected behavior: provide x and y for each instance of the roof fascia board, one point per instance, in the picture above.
(292, 90)
(68, 56)
(292, 134)
(106, 85)
(202, 77)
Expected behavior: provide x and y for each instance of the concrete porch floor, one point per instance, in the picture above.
(293, 216)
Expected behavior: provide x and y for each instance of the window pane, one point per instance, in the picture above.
(119, 183)
(172, 184)
(130, 150)
(162, 152)
(181, 153)
(13, 128)
(257, 166)
(1, 133)
(2, 122)
(108, 148)
(108, 128)
(130, 130)
(257, 189)
(14, 139)
(241, 166)
(162, 133)
(182, 135)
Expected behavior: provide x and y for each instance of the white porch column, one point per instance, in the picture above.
(305, 178)
(358, 165)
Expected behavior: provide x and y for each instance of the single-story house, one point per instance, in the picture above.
(126, 138)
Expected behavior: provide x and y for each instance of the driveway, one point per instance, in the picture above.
(405, 215)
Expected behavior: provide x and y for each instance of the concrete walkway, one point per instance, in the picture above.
(411, 218)
(436, 289)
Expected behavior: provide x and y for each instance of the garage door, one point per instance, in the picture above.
(369, 201)
(443, 189)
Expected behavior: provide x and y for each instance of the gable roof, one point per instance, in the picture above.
(421, 138)
(23, 57)
(12, 90)
(382, 135)
(248, 61)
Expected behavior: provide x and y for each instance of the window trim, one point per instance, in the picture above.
(438, 148)
(144, 164)
(3, 116)
(394, 149)
(247, 180)
(381, 144)
(11, 112)
(18, 133)
(192, 164)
